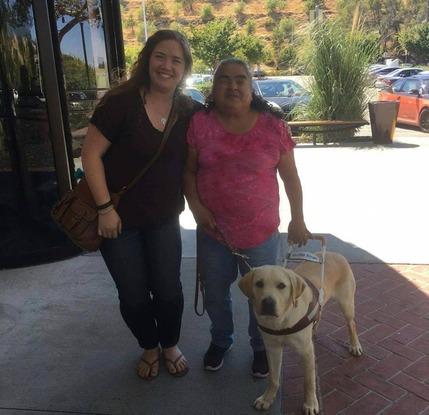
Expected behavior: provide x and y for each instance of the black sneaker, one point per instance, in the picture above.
(213, 359)
(260, 364)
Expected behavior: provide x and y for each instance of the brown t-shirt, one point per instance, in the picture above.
(122, 119)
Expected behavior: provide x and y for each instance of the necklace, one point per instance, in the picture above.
(163, 121)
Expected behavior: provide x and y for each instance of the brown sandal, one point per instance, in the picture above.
(150, 365)
(178, 373)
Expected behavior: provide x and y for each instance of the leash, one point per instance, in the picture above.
(234, 251)
(199, 283)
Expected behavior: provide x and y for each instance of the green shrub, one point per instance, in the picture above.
(250, 27)
(338, 63)
(207, 13)
(274, 7)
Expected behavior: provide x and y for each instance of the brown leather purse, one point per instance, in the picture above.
(76, 212)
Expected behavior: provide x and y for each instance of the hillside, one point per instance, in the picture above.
(175, 14)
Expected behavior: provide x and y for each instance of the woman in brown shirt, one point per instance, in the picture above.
(142, 245)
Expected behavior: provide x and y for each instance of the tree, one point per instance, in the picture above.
(215, 41)
(155, 9)
(18, 13)
(251, 49)
(79, 12)
(283, 32)
(384, 16)
(415, 40)
(76, 75)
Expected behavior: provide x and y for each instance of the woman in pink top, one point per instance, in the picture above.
(236, 149)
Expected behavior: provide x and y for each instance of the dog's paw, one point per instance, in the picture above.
(312, 409)
(262, 403)
(356, 350)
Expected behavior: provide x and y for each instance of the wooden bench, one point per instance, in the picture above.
(331, 125)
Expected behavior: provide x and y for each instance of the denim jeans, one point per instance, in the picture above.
(218, 268)
(145, 265)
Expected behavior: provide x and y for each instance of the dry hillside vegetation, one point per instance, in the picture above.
(175, 13)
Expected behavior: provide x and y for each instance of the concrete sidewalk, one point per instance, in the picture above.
(64, 348)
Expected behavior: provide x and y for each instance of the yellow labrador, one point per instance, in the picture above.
(284, 302)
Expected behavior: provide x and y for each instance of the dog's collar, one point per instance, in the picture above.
(312, 316)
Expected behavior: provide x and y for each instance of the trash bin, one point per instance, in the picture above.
(382, 115)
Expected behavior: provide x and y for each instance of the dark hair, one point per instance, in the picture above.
(258, 103)
(140, 70)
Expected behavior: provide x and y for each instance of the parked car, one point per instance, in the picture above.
(76, 100)
(375, 66)
(198, 78)
(195, 94)
(413, 96)
(386, 80)
(385, 70)
(283, 92)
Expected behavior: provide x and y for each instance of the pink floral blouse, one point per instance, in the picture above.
(237, 175)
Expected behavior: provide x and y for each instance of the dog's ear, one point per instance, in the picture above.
(245, 284)
(297, 285)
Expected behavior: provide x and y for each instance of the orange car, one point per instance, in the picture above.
(412, 93)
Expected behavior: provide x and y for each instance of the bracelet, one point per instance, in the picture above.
(105, 205)
(106, 210)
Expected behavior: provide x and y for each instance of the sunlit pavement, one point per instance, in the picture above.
(372, 197)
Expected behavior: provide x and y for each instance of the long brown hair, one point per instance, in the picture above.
(140, 70)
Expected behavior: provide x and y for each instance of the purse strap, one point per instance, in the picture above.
(168, 127)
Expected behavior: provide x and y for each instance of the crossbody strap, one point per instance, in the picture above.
(168, 126)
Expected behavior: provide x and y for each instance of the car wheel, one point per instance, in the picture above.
(424, 120)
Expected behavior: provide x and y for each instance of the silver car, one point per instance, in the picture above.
(283, 92)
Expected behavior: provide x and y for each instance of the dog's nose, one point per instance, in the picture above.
(268, 306)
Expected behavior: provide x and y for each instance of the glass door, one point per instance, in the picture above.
(57, 59)
(80, 28)
(28, 175)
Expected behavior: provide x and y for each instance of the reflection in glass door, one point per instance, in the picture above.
(83, 53)
(28, 176)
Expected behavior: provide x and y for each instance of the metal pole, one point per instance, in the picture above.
(144, 19)
(427, 11)
(84, 54)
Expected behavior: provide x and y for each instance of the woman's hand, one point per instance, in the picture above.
(298, 233)
(203, 216)
(109, 224)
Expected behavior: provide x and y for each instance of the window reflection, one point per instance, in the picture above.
(82, 43)
(28, 178)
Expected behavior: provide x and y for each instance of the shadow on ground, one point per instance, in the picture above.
(64, 348)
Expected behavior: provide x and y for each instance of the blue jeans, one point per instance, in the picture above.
(145, 265)
(218, 268)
